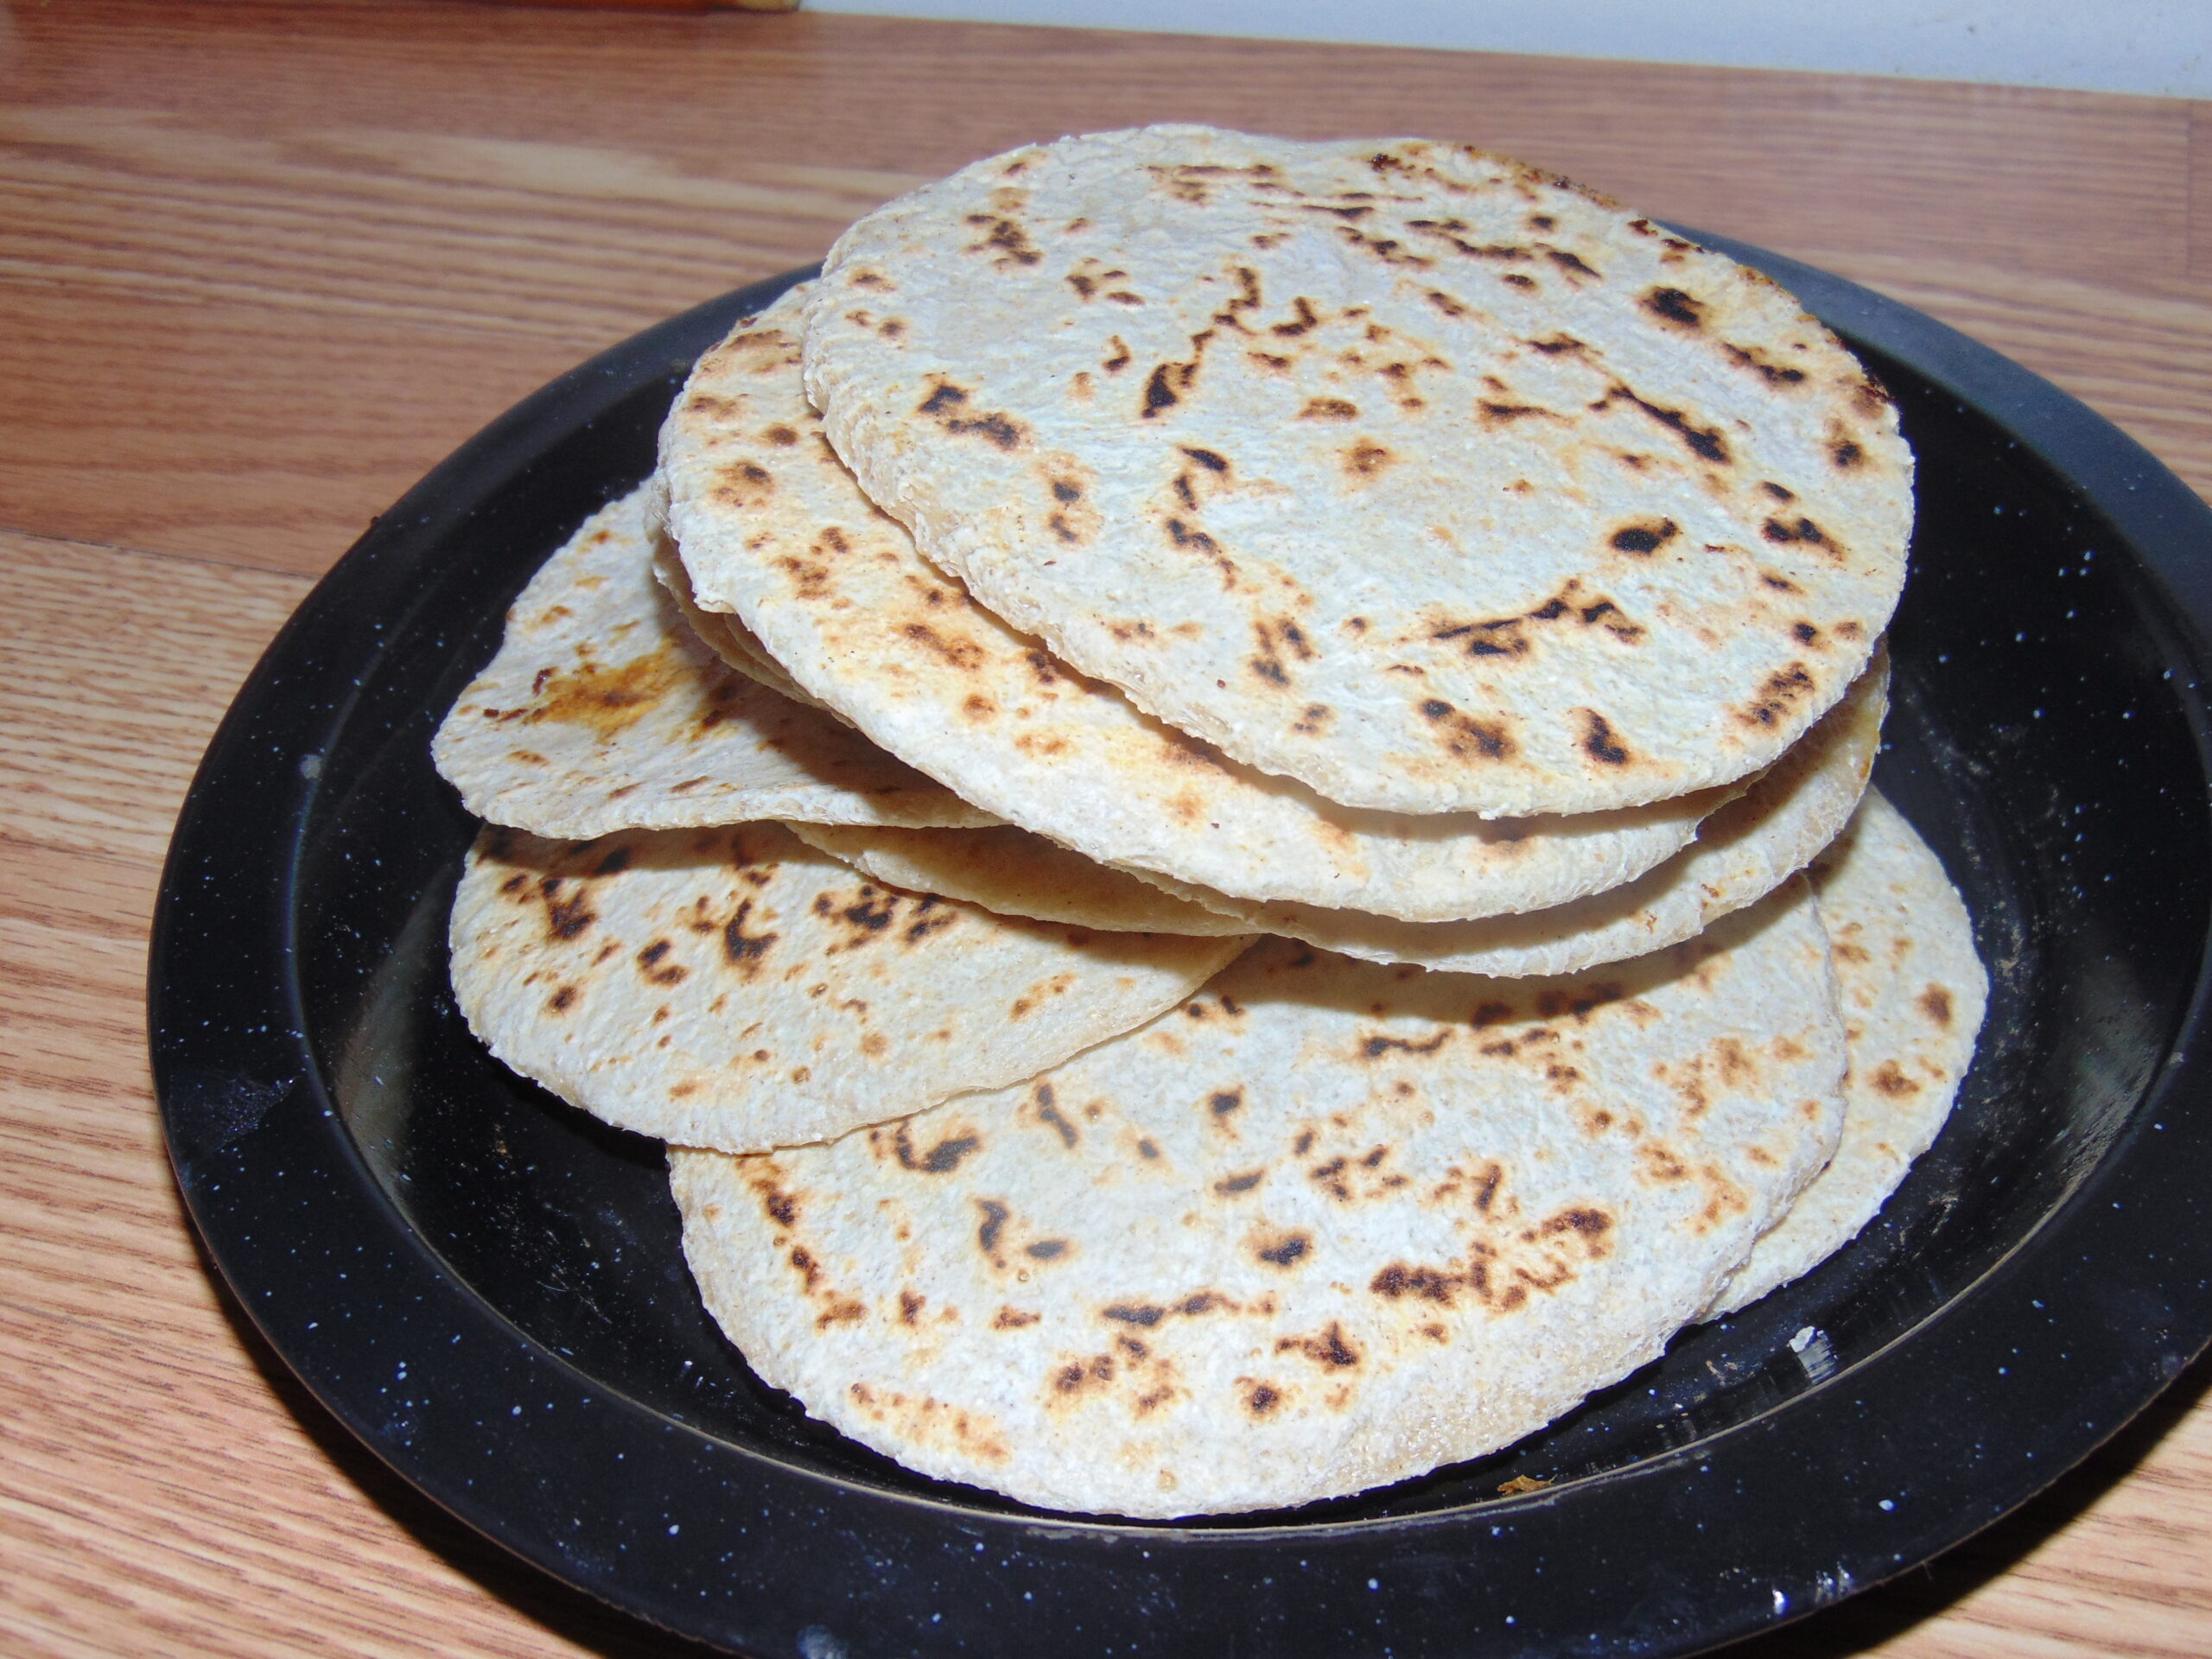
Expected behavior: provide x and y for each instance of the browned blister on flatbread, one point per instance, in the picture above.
(1325, 1224)
(733, 988)
(603, 711)
(1433, 481)
(771, 526)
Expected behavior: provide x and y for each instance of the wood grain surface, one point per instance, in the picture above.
(261, 265)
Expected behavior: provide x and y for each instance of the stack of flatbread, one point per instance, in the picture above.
(1188, 799)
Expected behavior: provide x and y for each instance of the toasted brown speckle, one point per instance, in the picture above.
(1600, 742)
(1645, 537)
(1330, 1350)
(1262, 1399)
(1890, 1080)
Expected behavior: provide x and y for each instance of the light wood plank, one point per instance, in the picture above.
(126, 662)
(565, 241)
(94, 1225)
(244, 348)
(225, 441)
(2200, 193)
(170, 1497)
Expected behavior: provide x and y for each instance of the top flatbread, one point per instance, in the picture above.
(771, 526)
(603, 711)
(1409, 472)
(1326, 1225)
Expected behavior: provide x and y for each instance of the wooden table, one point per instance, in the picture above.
(263, 264)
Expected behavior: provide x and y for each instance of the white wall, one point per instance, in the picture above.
(2160, 47)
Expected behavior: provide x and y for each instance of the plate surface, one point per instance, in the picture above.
(486, 1285)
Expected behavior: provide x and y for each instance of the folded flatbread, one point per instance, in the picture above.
(603, 710)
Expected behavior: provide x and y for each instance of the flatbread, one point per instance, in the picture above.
(733, 988)
(1327, 1225)
(1743, 852)
(771, 526)
(723, 633)
(1011, 872)
(1913, 995)
(1433, 481)
(727, 637)
(602, 711)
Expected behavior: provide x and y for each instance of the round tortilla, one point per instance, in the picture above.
(734, 988)
(603, 711)
(1010, 871)
(1324, 1226)
(1743, 852)
(771, 526)
(1913, 993)
(1435, 482)
(729, 639)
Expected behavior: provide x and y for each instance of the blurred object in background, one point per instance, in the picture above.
(655, 5)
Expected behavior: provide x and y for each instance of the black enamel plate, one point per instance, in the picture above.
(486, 1286)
